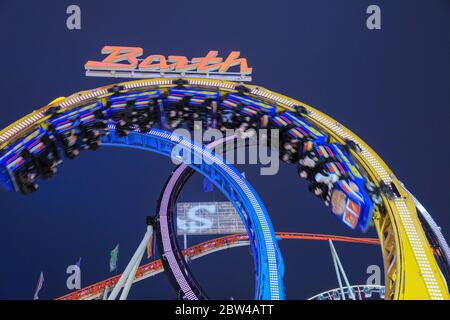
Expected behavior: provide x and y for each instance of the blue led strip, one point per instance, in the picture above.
(268, 262)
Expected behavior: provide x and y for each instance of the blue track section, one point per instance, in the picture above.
(269, 265)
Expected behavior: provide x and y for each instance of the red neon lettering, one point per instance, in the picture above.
(208, 63)
(148, 63)
(180, 63)
(126, 58)
(232, 60)
(116, 55)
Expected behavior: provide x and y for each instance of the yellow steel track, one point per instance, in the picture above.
(411, 271)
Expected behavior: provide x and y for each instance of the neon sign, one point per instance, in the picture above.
(126, 62)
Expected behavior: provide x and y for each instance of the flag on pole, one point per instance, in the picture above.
(39, 286)
(243, 174)
(78, 264)
(207, 185)
(114, 258)
(150, 247)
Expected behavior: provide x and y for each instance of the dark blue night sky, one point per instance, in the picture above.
(390, 86)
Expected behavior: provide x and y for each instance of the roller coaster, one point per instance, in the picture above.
(97, 290)
(342, 171)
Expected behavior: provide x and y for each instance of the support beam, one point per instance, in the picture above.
(340, 270)
(105, 293)
(130, 279)
(137, 257)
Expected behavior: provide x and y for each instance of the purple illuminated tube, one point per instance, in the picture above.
(184, 280)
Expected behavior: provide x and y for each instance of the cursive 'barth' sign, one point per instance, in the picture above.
(127, 62)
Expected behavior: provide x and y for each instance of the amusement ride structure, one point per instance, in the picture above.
(343, 171)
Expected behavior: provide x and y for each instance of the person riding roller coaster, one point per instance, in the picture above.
(188, 107)
(250, 117)
(69, 143)
(176, 112)
(196, 112)
(91, 129)
(90, 136)
(201, 114)
(146, 112)
(292, 135)
(40, 158)
(66, 135)
(241, 116)
(322, 183)
(132, 113)
(48, 159)
(124, 120)
(26, 181)
(79, 132)
(192, 113)
(227, 119)
(208, 114)
(291, 143)
(322, 171)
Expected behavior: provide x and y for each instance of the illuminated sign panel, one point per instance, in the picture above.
(200, 218)
(126, 62)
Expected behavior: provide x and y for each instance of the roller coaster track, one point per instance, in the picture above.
(361, 292)
(435, 237)
(95, 291)
(269, 266)
(411, 270)
(178, 270)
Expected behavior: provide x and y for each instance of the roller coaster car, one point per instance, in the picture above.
(134, 109)
(318, 156)
(323, 173)
(352, 204)
(191, 105)
(44, 154)
(206, 113)
(346, 194)
(227, 119)
(90, 136)
(70, 143)
(305, 128)
(147, 114)
(13, 172)
(294, 131)
(251, 117)
(79, 129)
(289, 137)
(243, 112)
(34, 155)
